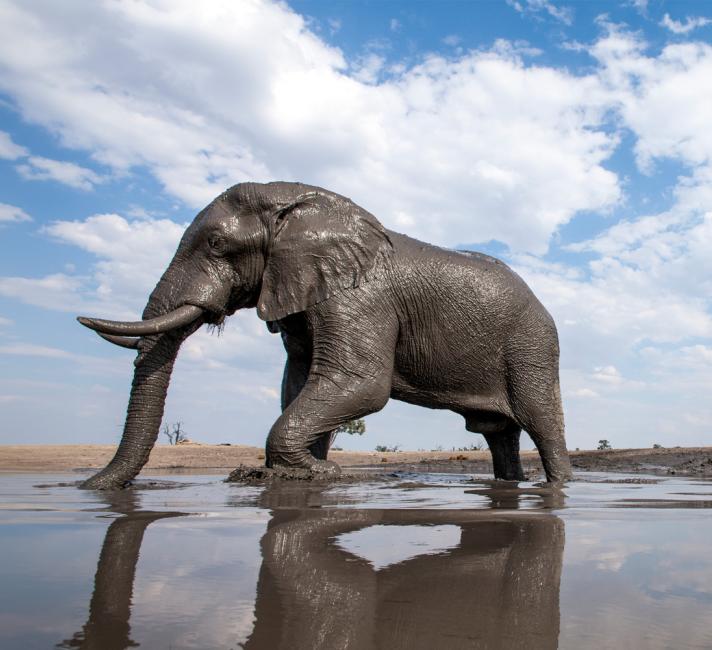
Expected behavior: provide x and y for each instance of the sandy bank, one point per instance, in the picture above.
(696, 461)
(194, 456)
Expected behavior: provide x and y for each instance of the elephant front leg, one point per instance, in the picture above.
(296, 373)
(322, 405)
(349, 377)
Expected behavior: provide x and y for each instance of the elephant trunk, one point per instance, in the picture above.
(154, 364)
(143, 415)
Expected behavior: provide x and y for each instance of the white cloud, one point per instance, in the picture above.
(560, 13)
(678, 27)
(8, 149)
(584, 392)
(394, 25)
(40, 168)
(697, 354)
(618, 301)
(11, 213)
(649, 277)
(368, 68)
(664, 100)
(31, 350)
(131, 254)
(54, 291)
(477, 148)
(608, 374)
(4, 322)
(37, 168)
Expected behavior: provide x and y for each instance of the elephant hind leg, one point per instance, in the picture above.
(539, 413)
(504, 448)
(502, 436)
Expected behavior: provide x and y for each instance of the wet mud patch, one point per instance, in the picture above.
(417, 485)
(693, 467)
(61, 484)
(247, 475)
(136, 484)
(675, 461)
(662, 503)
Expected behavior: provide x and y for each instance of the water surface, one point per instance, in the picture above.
(414, 561)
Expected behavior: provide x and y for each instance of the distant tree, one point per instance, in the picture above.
(657, 446)
(604, 444)
(174, 433)
(383, 448)
(352, 427)
(476, 446)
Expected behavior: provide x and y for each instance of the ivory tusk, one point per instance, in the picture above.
(170, 321)
(123, 341)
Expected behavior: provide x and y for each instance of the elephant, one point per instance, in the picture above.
(365, 314)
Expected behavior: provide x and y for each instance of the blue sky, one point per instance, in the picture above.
(571, 139)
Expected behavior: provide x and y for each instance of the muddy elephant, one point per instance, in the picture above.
(365, 314)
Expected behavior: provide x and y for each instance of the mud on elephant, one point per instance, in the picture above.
(365, 314)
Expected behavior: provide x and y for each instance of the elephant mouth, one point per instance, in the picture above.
(215, 318)
(129, 334)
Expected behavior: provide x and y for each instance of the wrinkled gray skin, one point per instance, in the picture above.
(365, 314)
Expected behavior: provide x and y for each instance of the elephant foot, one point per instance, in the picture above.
(313, 471)
(107, 480)
(323, 467)
(98, 482)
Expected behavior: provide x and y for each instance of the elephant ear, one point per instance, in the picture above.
(322, 244)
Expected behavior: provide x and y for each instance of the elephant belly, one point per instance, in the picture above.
(460, 389)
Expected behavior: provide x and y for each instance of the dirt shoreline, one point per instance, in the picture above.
(685, 461)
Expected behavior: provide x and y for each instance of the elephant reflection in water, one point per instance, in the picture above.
(108, 626)
(498, 588)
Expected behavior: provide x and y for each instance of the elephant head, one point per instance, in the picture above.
(280, 247)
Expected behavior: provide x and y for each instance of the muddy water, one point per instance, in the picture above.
(414, 561)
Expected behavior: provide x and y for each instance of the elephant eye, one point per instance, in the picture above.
(217, 243)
